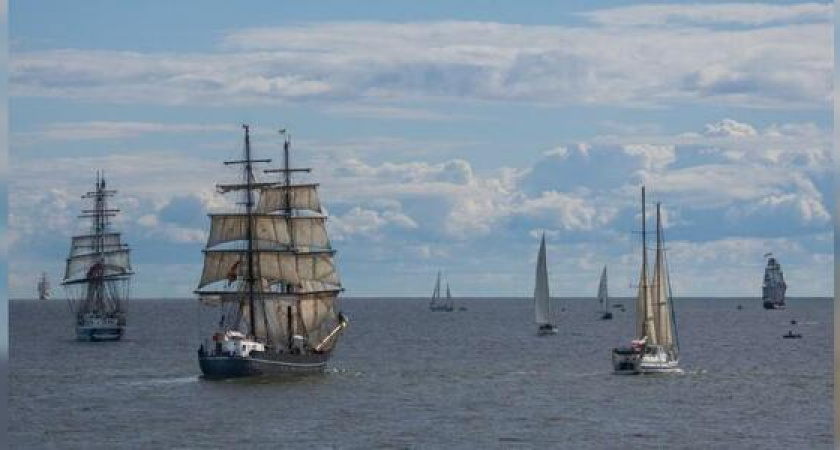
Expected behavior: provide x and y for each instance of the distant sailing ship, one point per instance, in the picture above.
(656, 347)
(774, 286)
(269, 268)
(98, 272)
(603, 296)
(439, 303)
(43, 287)
(542, 301)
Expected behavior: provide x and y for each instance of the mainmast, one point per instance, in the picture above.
(250, 279)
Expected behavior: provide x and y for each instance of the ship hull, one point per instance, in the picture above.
(223, 366)
(772, 305)
(98, 333)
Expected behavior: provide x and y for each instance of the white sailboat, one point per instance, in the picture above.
(603, 296)
(542, 300)
(438, 303)
(656, 347)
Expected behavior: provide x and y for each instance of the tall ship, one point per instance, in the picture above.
(269, 270)
(43, 287)
(543, 315)
(604, 296)
(774, 287)
(440, 302)
(655, 348)
(98, 273)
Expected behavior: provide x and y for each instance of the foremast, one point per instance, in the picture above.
(645, 320)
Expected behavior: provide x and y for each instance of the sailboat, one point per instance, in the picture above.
(438, 302)
(774, 286)
(43, 287)
(269, 269)
(98, 272)
(542, 301)
(603, 296)
(656, 347)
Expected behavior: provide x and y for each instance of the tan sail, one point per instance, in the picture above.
(301, 197)
(274, 267)
(115, 262)
(271, 230)
(664, 327)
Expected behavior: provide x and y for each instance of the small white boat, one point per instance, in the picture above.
(542, 301)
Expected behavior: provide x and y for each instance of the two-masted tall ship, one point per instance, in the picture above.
(774, 287)
(98, 273)
(269, 268)
(656, 346)
(43, 287)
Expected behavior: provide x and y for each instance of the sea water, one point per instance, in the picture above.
(405, 377)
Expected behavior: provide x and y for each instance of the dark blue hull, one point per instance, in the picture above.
(222, 366)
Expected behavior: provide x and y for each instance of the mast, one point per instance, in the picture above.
(644, 310)
(660, 277)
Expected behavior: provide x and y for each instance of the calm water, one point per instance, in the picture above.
(406, 377)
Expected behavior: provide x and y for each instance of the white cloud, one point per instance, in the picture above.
(343, 62)
(729, 127)
(94, 130)
(654, 157)
(753, 14)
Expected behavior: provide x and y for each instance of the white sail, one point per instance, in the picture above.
(272, 230)
(436, 291)
(85, 244)
(115, 262)
(273, 266)
(542, 310)
(301, 196)
(448, 296)
(602, 289)
(664, 327)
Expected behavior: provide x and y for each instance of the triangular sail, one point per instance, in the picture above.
(603, 295)
(542, 311)
(448, 296)
(664, 326)
(645, 322)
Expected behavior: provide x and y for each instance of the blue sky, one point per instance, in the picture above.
(446, 136)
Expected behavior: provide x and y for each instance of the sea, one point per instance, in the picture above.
(405, 377)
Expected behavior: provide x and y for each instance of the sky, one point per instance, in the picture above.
(445, 136)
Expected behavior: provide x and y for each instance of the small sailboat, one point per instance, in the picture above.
(774, 287)
(269, 269)
(603, 296)
(43, 287)
(438, 303)
(542, 301)
(98, 272)
(656, 347)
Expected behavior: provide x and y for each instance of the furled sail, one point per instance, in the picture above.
(542, 310)
(301, 197)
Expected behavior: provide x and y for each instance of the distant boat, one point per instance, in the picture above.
(656, 347)
(269, 269)
(774, 287)
(791, 335)
(603, 296)
(438, 303)
(43, 287)
(542, 301)
(98, 272)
